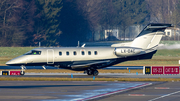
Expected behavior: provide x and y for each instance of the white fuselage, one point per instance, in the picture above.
(92, 58)
(58, 55)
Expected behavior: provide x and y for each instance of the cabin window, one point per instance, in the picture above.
(83, 53)
(95, 52)
(74, 53)
(89, 52)
(60, 53)
(33, 52)
(67, 53)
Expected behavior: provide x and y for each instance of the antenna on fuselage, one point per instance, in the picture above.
(83, 45)
(39, 44)
(78, 44)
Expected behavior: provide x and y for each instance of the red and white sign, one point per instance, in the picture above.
(171, 70)
(14, 72)
(157, 70)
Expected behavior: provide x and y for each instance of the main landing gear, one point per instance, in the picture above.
(91, 72)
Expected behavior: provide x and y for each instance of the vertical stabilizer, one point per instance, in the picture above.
(150, 36)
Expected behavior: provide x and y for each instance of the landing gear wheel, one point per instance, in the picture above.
(86, 71)
(89, 72)
(22, 72)
(92, 72)
(95, 72)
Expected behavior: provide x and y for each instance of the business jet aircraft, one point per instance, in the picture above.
(89, 59)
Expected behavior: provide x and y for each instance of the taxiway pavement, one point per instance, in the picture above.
(167, 91)
(63, 90)
(89, 90)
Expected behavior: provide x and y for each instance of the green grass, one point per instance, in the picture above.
(162, 57)
(168, 53)
(71, 71)
(169, 42)
(12, 52)
(8, 53)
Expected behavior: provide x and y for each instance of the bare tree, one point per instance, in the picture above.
(161, 10)
(92, 11)
(14, 21)
(129, 12)
(165, 11)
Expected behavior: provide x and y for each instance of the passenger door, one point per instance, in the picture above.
(50, 56)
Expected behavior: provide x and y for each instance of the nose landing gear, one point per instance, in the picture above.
(22, 69)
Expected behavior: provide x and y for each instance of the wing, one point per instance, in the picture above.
(93, 64)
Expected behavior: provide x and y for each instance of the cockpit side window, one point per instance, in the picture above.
(33, 52)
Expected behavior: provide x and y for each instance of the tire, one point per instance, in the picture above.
(22, 72)
(89, 72)
(95, 72)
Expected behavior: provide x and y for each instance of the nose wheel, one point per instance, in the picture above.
(92, 72)
(23, 70)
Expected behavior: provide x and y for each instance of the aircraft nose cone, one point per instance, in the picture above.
(10, 62)
(7, 63)
(17, 61)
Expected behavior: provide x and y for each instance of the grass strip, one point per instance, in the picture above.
(71, 71)
(162, 57)
(86, 79)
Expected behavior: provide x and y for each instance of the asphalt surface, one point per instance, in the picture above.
(168, 91)
(89, 90)
(63, 90)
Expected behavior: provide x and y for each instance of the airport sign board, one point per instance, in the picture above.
(161, 70)
(157, 70)
(171, 69)
(148, 70)
(10, 73)
(14, 72)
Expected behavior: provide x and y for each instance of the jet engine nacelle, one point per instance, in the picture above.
(129, 51)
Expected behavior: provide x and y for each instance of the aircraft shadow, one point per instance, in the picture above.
(41, 86)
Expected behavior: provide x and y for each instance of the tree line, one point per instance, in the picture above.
(64, 22)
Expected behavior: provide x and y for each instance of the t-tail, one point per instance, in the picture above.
(148, 38)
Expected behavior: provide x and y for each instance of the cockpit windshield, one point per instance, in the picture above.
(33, 52)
